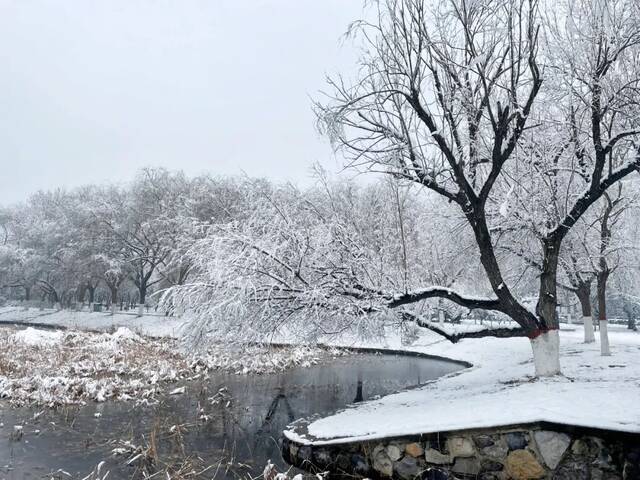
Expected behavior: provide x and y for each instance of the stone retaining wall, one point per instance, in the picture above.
(525, 452)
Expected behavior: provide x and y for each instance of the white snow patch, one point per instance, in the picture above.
(37, 338)
(594, 391)
(150, 325)
(126, 335)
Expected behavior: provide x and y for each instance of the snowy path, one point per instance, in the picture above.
(149, 325)
(498, 390)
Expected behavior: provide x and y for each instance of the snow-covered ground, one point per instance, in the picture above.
(149, 324)
(499, 389)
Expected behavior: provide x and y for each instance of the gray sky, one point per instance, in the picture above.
(91, 91)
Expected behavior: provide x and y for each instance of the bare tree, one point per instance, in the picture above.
(445, 99)
(581, 276)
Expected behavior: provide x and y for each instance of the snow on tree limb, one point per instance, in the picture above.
(455, 337)
(594, 193)
(469, 302)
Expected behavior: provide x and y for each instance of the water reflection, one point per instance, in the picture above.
(359, 394)
(244, 423)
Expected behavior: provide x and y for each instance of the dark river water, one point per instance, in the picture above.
(240, 432)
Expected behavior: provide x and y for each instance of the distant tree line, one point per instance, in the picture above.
(114, 244)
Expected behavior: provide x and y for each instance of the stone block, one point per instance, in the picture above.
(293, 450)
(343, 462)
(516, 440)
(381, 461)
(490, 466)
(551, 446)
(407, 468)
(394, 452)
(496, 452)
(304, 453)
(414, 450)
(466, 466)
(574, 469)
(522, 465)
(460, 447)
(322, 458)
(437, 458)
(483, 441)
(360, 465)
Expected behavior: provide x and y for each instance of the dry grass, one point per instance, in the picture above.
(162, 454)
(40, 367)
(79, 367)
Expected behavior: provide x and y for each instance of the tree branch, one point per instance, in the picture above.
(448, 294)
(503, 332)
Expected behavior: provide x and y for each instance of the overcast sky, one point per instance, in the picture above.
(91, 91)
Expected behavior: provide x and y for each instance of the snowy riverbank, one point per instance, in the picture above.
(498, 390)
(594, 391)
(66, 367)
(50, 368)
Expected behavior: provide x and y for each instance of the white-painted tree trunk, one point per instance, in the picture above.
(589, 337)
(441, 317)
(604, 338)
(570, 318)
(113, 308)
(141, 309)
(546, 353)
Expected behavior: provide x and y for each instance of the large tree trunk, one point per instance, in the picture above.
(546, 353)
(27, 293)
(143, 294)
(603, 276)
(584, 296)
(548, 294)
(545, 342)
(631, 319)
(143, 298)
(92, 293)
(541, 328)
(82, 290)
(114, 298)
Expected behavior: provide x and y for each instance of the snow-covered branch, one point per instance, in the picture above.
(469, 302)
